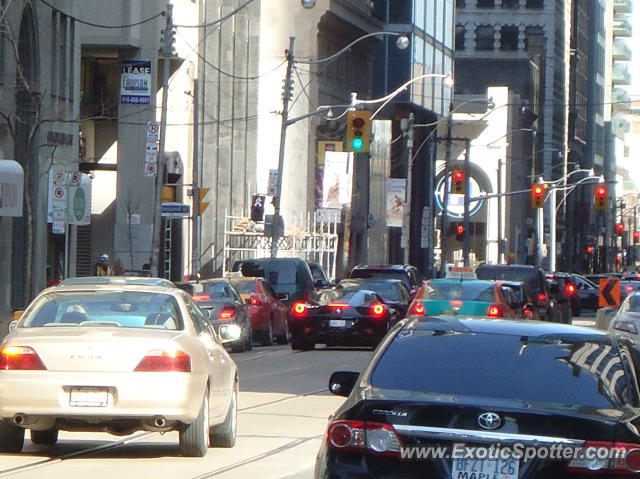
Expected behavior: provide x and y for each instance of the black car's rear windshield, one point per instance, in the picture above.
(381, 274)
(504, 366)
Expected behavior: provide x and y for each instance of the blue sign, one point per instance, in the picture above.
(174, 210)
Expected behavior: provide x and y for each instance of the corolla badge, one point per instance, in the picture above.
(489, 420)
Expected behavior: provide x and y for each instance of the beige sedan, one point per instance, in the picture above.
(117, 358)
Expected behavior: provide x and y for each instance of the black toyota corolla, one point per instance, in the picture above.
(455, 398)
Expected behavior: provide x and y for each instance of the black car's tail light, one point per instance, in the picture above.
(21, 358)
(417, 308)
(340, 306)
(571, 289)
(378, 311)
(299, 310)
(165, 361)
(542, 298)
(495, 311)
(227, 313)
(363, 437)
(598, 457)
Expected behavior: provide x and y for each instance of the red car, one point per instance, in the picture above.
(268, 314)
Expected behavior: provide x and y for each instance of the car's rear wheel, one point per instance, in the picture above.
(284, 337)
(238, 346)
(44, 437)
(267, 336)
(224, 435)
(194, 437)
(11, 437)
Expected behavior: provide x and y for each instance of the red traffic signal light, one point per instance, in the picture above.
(600, 200)
(537, 196)
(619, 229)
(457, 182)
(460, 232)
(589, 249)
(636, 236)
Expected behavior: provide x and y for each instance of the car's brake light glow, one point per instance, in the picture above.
(378, 310)
(542, 298)
(418, 308)
(494, 311)
(201, 297)
(618, 458)
(628, 288)
(254, 301)
(21, 358)
(364, 437)
(571, 289)
(228, 312)
(456, 303)
(164, 361)
(338, 305)
(299, 309)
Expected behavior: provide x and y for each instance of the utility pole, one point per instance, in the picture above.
(286, 97)
(195, 222)
(162, 165)
(407, 207)
(444, 220)
(467, 197)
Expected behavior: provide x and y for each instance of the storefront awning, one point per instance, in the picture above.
(11, 188)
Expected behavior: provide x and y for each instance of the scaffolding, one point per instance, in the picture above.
(313, 237)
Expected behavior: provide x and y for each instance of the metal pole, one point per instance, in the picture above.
(539, 232)
(500, 220)
(467, 196)
(195, 223)
(552, 229)
(444, 220)
(157, 218)
(407, 210)
(283, 140)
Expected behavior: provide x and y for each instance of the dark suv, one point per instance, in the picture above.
(404, 272)
(534, 280)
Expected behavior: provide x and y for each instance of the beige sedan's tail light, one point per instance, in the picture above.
(163, 361)
(21, 358)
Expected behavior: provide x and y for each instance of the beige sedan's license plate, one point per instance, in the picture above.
(89, 397)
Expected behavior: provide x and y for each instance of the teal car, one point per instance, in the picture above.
(466, 297)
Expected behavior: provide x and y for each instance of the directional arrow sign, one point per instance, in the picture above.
(609, 292)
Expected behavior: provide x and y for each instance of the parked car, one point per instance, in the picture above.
(464, 297)
(223, 303)
(290, 278)
(457, 384)
(117, 358)
(346, 317)
(268, 314)
(406, 273)
(392, 291)
(533, 278)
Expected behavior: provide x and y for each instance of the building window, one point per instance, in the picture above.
(510, 3)
(485, 3)
(484, 37)
(509, 38)
(460, 31)
(535, 4)
(534, 40)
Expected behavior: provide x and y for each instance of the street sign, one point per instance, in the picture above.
(426, 228)
(174, 210)
(150, 169)
(609, 292)
(272, 187)
(74, 178)
(153, 127)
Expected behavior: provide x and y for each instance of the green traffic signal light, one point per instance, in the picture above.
(357, 143)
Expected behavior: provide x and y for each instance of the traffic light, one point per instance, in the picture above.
(619, 229)
(457, 181)
(460, 232)
(636, 237)
(537, 196)
(600, 200)
(589, 249)
(358, 131)
(257, 208)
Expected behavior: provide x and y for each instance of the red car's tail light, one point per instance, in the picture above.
(363, 437)
(254, 301)
(418, 308)
(615, 458)
(21, 358)
(299, 309)
(628, 288)
(542, 298)
(378, 310)
(164, 361)
(227, 313)
(571, 289)
(201, 297)
(494, 311)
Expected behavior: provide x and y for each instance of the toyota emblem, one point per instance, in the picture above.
(489, 420)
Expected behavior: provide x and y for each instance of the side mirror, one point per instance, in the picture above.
(229, 333)
(625, 326)
(341, 383)
(12, 326)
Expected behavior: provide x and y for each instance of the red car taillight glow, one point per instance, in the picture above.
(617, 458)
(338, 305)
(418, 308)
(363, 437)
(201, 297)
(254, 301)
(163, 361)
(299, 310)
(378, 310)
(227, 313)
(542, 298)
(628, 288)
(494, 311)
(21, 358)
(571, 289)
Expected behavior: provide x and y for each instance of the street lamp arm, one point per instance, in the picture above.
(401, 88)
(317, 111)
(340, 52)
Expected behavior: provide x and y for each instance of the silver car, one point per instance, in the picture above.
(626, 321)
(117, 358)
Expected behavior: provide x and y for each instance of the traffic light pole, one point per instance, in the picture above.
(444, 220)
(275, 232)
(407, 207)
(195, 222)
(467, 197)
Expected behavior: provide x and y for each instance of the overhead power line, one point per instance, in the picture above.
(98, 25)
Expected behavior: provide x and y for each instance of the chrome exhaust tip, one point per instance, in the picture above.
(19, 419)
(159, 421)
